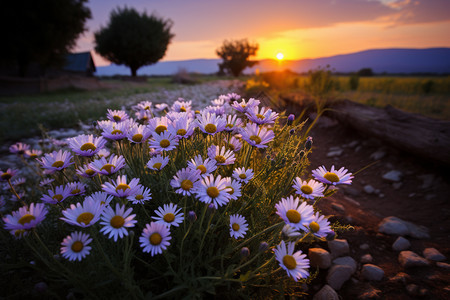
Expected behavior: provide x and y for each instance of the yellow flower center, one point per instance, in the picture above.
(293, 216)
(243, 105)
(32, 155)
(85, 218)
(58, 164)
(139, 197)
(202, 168)
(212, 191)
(116, 131)
(122, 186)
(220, 159)
(261, 117)
(242, 176)
(210, 128)
(57, 197)
(306, 189)
(160, 129)
(231, 191)
(187, 185)
(197, 112)
(147, 107)
(108, 168)
(314, 226)
(117, 221)
(77, 246)
(169, 218)
(75, 191)
(231, 146)
(117, 118)
(229, 125)
(235, 227)
(89, 172)
(155, 239)
(19, 232)
(256, 139)
(331, 177)
(26, 219)
(164, 143)
(289, 262)
(182, 109)
(88, 146)
(157, 166)
(137, 138)
(181, 131)
(6, 176)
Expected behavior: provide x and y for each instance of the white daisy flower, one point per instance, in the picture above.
(116, 221)
(161, 106)
(83, 215)
(243, 106)
(34, 153)
(103, 153)
(101, 197)
(19, 148)
(295, 264)
(56, 161)
(234, 187)
(182, 127)
(75, 246)
(115, 131)
(8, 174)
(155, 238)
(217, 110)
(222, 156)
(108, 166)
(261, 116)
(18, 181)
(158, 125)
(230, 97)
(117, 115)
(26, 217)
(86, 145)
(257, 136)
(333, 176)
(238, 226)
(142, 194)
(143, 115)
(319, 226)
(164, 141)
(308, 190)
(243, 175)
(211, 124)
(234, 144)
(213, 190)
(186, 181)
(86, 171)
(288, 232)
(297, 215)
(76, 188)
(120, 188)
(233, 122)
(169, 215)
(206, 166)
(46, 181)
(181, 105)
(143, 105)
(138, 134)
(157, 162)
(60, 193)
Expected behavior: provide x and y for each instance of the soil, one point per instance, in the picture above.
(411, 200)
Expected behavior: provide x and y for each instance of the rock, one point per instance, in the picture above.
(338, 247)
(401, 244)
(378, 155)
(319, 258)
(410, 259)
(335, 153)
(326, 293)
(401, 276)
(394, 176)
(412, 289)
(369, 189)
(433, 254)
(338, 275)
(364, 246)
(346, 261)
(396, 226)
(443, 265)
(351, 191)
(365, 259)
(353, 144)
(372, 272)
(397, 185)
(338, 207)
(427, 179)
(370, 293)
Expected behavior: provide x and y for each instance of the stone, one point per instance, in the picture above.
(338, 207)
(338, 247)
(401, 244)
(353, 144)
(372, 272)
(369, 189)
(394, 176)
(338, 275)
(433, 254)
(410, 259)
(335, 153)
(370, 293)
(351, 191)
(319, 257)
(378, 155)
(326, 293)
(396, 226)
(443, 265)
(412, 289)
(346, 261)
(364, 246)
(365, 259)
(427, 180)
(401, 276)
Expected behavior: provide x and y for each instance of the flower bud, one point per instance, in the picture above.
(308, 143)
(263, 247)
(192, 217)
(331, 235)
(211, 208)
(245, 252)
(290, 119)
(291, 132)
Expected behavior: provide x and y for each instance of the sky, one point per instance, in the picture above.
(297, 28)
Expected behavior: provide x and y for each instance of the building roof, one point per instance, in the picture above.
(79, 62)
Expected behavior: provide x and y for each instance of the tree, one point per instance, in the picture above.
(236, 54)
(41, 32)
(133, 39)
(365, 72)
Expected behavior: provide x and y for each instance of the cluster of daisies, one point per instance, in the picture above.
(161, 129)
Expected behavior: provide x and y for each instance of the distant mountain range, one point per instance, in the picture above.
(432, 60)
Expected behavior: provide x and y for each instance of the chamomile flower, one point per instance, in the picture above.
(289, 232)
(182, 127)
(161, 106)
(261, 116)
(233, 122)
(18, 181)
(83, 215)
(103, 153)
(155, 238)
(86, 171)
(157, 162)
(108, 166)
(143, 115)
(182, 106)
(234, 188)
(100, 197)
(333, 176)
(138, 134)
(34, 153)
(213, 190)
(19, 148)
(319, 226)
(244, 106)
(115, 131)
(142, 194)
(243, 175)
(222, 156)
(56, 161)
(234, 144)
(257, 136)
(186, 181)
(143, 105)
(206, 166)
(117, 115)
(295, 264)
(116, 221)
(75, 246)
(26, 217)
(308, 190)
(60, 193)
(46, 181)
(158, 125)
(230, 97)
(217, 110)
(211, 124)
(86, 145)
(76, 188)
(120, 188)
(297, 215)
(8, 174)
(164, 141)
(238, 226)
(169, 215)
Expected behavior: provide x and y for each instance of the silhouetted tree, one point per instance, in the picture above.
(236, 54)
(365, 72)
(41, 31)
(133, 39)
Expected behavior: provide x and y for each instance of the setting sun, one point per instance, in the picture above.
(280, 56)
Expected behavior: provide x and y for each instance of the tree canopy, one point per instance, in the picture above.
(41, 32)
(133, 39)
(236, 55)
